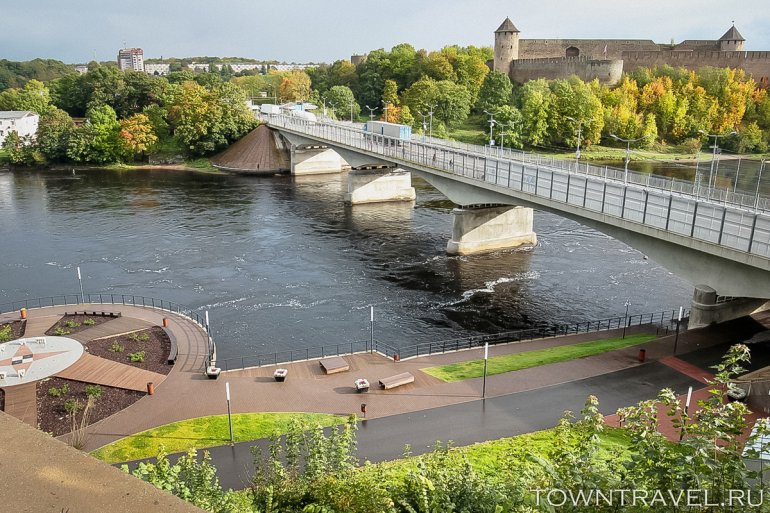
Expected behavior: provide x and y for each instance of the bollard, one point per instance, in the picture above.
(363, 409)
(642, 355)
(165, 322)
(23, 313)
(396, 357)
(150, 388)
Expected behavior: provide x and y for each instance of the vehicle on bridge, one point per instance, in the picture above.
(394, 130)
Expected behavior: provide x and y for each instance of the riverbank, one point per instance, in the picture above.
(197, 165)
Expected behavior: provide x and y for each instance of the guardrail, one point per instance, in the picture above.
(112, 299)
(446, 346)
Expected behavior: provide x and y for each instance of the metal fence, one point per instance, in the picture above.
(446, 346)
(729, 219)
(111, 299)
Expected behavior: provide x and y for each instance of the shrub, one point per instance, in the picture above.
(59, 332)
(72, 324)
(94, 391)
(692, 145)
(139, 337)
(137, 357)
(6, 333)
(72, 406)
(117, 347)
(60, 391)
(89, 322)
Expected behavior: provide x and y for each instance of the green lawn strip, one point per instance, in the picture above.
(204, 432)
(513, 362)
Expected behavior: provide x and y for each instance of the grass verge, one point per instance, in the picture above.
(204, 432)
(513, 362)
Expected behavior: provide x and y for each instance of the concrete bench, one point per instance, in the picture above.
(334, 365)
(174, 350)
(397, 380)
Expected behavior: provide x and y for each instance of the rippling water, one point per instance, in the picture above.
(281, 263)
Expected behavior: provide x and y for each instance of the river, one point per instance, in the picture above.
(282, 263)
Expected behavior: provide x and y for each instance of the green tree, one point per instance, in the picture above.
(343, 100)
(453, 103)
(53, 134)
(495, 92)
(21, 151)
(471, 71)
(97, 141)
(536, 100)
(35, 96)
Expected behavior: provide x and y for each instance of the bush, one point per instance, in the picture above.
(60, 391)
(6, 333)
(94, 391)
(72, 406)
(137, 357)
(60, 332)
(692, 145)
(89, 322)
(139, 337)
(117, 347)
(72, 324)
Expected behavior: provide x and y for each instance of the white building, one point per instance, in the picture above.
(198, 66)
(131, 58)
(81, 68)
(23, 122)
(290, 67)
(237, 67)
(157, 69)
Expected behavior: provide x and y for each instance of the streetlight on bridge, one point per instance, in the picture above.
(628, 152)
(424, 123)
(714, 156)
(491, 124)
(371, 113)
(579, 134)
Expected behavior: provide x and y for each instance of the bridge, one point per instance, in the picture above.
(716, 239)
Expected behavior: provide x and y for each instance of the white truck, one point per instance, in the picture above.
(394, 130)
(269, 108)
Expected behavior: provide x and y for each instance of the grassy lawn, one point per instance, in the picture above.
(206, 432)
(3, 155)
(513, 362)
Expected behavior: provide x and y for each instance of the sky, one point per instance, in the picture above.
(76, 31)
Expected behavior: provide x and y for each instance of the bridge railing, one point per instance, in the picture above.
(111, 299)
(717, 216)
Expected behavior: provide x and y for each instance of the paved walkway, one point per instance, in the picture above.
(21, 402)
(101, 371)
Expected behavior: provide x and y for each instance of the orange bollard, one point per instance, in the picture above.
(165, 322)
(150, 388)
(396, 357)
(642, 355)
(23, 313)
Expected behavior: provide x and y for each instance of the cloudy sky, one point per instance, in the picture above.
(324, 31)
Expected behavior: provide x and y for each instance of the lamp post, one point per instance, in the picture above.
(323, 98)
(714, 156)
(351, 111)
(424, 124)
(628, 152)
(625, 319)
(430, 113)
(385, 110)
(686, 412)
(579, 134)
(80, 280)
(371, 332)
(491, 124)
(371, 113)
(486, 358)
(229, 414)
(678, 322)
(334, 109)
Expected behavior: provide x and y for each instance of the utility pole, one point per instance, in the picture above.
(579, 134)
(628, 152)
(491, 124)
(715, 147)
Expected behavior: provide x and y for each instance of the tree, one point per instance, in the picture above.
(421, 96)
(97, 140)
(453, 103)
(34, 96)
(536, 99)
(438, 67)
(471, 71)
(20, 150)
(343, 100)
(53, 134)
(136, 135)
(495, 91)
(390, 102)
(295, 86)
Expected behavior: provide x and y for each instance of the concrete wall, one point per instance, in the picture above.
(481, 230)
(313, 161)
(591, 48)
(377, 186)
(607, 71)
(755, 63)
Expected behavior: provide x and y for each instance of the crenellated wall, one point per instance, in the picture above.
(754, 63)
(590, 48)
(607, 71)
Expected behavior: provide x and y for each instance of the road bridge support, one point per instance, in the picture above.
(315, 160)
(708, 308)
(379, 186)
(485, 229)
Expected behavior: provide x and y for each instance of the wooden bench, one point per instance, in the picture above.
(334, 365)
(96, 314)
(397, 380)
(173, 352)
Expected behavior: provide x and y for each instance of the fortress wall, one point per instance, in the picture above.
(755, 63)
(607, 71)
(591, 48)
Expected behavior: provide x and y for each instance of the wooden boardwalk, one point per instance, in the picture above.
(111, 328)
(37, 326)
(21, 402)
(93, 369)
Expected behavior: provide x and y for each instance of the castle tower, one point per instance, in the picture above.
(732, 41)
(506, 46)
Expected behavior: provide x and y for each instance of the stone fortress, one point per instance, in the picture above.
(607, 59)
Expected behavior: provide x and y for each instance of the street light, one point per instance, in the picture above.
(424, 124)
(714, 156)
(371, 334)
(625, 321)
(82, 300)
(628, 152)
(371, 113)
(430, 113)
(678, 322)
(491, 124)
(385, 110)
(486, 358)
(334, 109)
(229, 414)
(579, 133)
(351, 111)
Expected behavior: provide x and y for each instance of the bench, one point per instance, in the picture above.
(334, 365)
(173, 352)
(396, 381)
(96, 314)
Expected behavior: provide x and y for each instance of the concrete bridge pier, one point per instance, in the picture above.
(379, 186)
(485, 229)
(307, 159)
(709, 308)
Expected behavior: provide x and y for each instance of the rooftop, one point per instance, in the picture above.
(507, 26)
(15, 114)
(732, 35)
